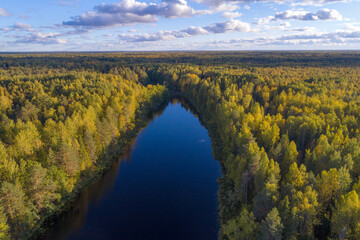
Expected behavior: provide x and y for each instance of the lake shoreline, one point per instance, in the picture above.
(117, 147)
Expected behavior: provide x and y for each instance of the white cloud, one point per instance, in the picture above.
(231, 14)
(305, 39)
(223, 7)
(324, 14)
(229, 26)
(130, 12)
(19, 27)
(223, 27)
(301, 15)
(40, 38)
(302, 29)
(296, 2)
(286, 24)
(4, 12)
(318, 2)
(266, 20)
(352, 26)
(193, 31)
(159, 36)
(332, 36)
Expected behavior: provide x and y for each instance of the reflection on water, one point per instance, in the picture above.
(162, 187)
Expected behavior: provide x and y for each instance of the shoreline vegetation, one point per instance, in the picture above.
(116, 149)
(284, 126)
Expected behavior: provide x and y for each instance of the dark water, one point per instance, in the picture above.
(164, 187)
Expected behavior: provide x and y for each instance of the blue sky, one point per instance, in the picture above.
(128, 25)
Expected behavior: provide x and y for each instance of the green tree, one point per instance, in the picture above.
(267, 198)
(346, 217)
(28, 139)
(271, 227)
(304, 212)
(8, 166)
(90, 146)
(253, 156)
(296, 177)
(19, 212)
(290, 156)
(41, 188)
(4, 227)
(242, 227)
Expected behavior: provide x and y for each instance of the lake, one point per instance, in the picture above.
(163, 187)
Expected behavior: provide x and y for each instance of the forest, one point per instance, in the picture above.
(284, 126)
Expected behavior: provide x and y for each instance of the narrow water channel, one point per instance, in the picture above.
(164, 187)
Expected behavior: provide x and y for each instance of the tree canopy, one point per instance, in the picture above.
(284, 125)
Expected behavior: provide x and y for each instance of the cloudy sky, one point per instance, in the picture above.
(128, 25)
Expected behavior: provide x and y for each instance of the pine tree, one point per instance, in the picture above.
(290, 156)
(271, 228)
(4, 227)
(346, 217)
(242, 227)
(17, 209)
(41, 188)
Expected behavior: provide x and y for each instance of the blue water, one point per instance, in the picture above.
(165, 187)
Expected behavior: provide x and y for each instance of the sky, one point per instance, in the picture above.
(155, 25)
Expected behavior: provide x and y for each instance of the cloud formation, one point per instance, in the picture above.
(223, 7)
(130, 12)
(275, 27)
(321, 39)
(231, 14)
(353, 26)
(318, 2)
(333, 36)
(223, 27)
(301, 15)
(4, 12)
(297, 2)
(40, 38)
(19, 27)
(231, 25)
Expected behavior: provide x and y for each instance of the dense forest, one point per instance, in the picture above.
(284, 126)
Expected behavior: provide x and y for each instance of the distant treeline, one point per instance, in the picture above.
(104, 62)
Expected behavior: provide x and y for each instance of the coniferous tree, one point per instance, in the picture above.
(271, 227)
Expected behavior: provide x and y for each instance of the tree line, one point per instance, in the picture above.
(288, 139)
(54, 132)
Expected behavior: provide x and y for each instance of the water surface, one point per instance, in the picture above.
(164, 187)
